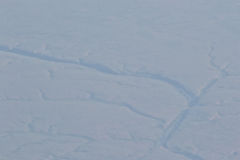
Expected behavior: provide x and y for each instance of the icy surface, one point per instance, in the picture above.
(119, 80)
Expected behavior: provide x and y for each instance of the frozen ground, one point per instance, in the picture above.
(119, 80)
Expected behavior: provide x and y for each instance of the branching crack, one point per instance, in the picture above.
(169, 131)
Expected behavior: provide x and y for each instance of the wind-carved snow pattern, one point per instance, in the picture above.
(169, 131)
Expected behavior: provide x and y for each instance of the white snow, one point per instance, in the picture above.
(119, 80)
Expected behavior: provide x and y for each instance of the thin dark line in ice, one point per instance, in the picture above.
(186, 154)
(203, 92)
(98, 67)
(194, 101)
(140, 113)
(191, 98)
(222, 71)
(35, 55)
(188, 94)
(128, 106)
(173, 126)
(171, 129)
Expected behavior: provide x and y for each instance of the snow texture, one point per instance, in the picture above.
(119, 80)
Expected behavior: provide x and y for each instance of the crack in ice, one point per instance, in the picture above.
(192, 99)
(188, 94)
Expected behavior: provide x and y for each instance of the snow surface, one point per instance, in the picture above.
(119, 80)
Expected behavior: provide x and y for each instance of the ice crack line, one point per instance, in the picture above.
(186, 154)
(188, 94)
(126, 105)
(184, 91)
(192, 99)
(35, 55)
(221, 70)
(43, 57)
